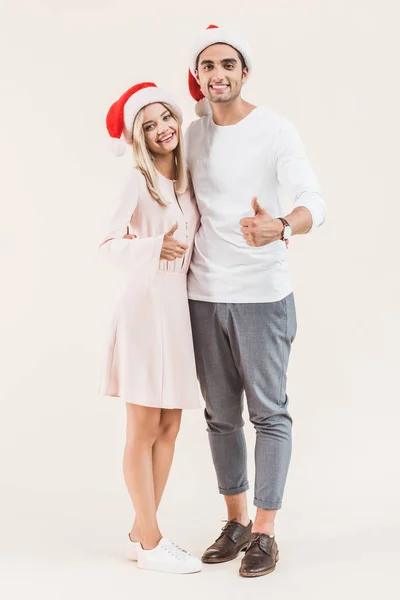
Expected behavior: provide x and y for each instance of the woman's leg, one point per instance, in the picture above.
(163, 449)
(141, 433)
(163, 452)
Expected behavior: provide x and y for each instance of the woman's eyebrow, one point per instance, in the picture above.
(151, 121)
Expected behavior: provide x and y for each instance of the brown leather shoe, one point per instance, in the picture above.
(261, 556)
(233, 539)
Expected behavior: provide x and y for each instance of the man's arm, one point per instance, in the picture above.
(298, 180)
(300, 220)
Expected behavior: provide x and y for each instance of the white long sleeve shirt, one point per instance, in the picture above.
(261, 156)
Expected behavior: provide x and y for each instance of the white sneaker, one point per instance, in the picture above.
(132, 549)
(168, 558)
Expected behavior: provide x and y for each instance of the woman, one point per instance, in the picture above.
(149, 360)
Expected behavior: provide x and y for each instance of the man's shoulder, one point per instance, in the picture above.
(198, 125)
(271, 119)
(265, 119)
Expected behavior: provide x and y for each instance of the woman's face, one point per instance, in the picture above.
(160, 129)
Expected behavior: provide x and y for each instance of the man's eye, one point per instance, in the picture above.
(229, 66)
(207, 67)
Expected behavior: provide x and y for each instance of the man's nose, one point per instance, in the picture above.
(218, 74)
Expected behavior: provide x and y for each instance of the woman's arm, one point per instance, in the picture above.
(118, 247)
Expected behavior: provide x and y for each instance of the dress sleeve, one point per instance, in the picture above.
(130, 254)
(295, 174)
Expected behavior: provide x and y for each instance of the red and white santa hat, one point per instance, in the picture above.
(214, 35)
(122, 113)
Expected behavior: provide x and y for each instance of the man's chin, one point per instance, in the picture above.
(220, 98)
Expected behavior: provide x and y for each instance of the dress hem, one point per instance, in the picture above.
(153, 405)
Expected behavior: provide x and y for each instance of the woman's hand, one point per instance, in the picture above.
(172, 248)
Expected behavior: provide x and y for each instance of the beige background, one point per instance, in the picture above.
(332, 68)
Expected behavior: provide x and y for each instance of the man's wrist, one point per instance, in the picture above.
(286, 229)
(279, 228)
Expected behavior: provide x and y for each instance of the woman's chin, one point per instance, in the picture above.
(163, 151)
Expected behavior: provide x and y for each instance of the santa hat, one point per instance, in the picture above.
(122, 113)
(213, 35)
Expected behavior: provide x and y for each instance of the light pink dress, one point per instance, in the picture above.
(149, 357)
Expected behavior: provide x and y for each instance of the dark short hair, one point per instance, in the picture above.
(239, 53)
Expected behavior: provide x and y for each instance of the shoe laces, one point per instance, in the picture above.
(256, 537)
(228, 527)
(255, 540)
(177, 551)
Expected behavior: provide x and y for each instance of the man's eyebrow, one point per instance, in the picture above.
(151, 121)
(224, 60)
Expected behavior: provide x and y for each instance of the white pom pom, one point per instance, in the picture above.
(118, 146)
(203, 108)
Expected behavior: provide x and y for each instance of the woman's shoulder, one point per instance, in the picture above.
(135, 181)
(131, 189)
(136, 175)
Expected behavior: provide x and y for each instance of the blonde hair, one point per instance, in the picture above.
(145, 161)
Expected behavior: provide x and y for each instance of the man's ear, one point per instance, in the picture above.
(196, 76)
(245, 73)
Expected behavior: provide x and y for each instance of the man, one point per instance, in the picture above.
(241, 299)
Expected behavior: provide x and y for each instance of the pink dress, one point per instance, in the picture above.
(149, 357)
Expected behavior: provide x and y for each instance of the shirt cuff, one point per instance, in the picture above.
(316, 207)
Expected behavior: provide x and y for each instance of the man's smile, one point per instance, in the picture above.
(219, 87)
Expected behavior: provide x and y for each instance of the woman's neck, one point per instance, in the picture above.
(165, 164)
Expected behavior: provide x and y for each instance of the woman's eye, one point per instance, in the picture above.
(148, 127)
(167, 117)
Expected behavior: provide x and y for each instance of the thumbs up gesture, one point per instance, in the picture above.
(173, 229)
(258, 210)
(172, 248)
(261, 229)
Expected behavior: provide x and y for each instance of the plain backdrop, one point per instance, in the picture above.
(329, 66)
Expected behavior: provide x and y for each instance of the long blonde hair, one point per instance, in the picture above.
(145, 161)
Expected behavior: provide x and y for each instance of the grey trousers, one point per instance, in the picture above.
(245, 348)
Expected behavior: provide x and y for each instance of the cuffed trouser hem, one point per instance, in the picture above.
(234, 491)
(267, 505)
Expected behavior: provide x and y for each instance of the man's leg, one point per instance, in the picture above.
(261, 339)
(236, 506)
(222, 390)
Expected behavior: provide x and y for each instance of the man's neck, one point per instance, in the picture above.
(230, 113)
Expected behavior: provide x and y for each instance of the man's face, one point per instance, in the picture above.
(220, 73)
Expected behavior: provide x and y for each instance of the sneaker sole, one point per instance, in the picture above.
(131, 559)
(131, 554)
(171, 572)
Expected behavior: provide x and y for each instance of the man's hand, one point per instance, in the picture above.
(172, 248)
(261, 229)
